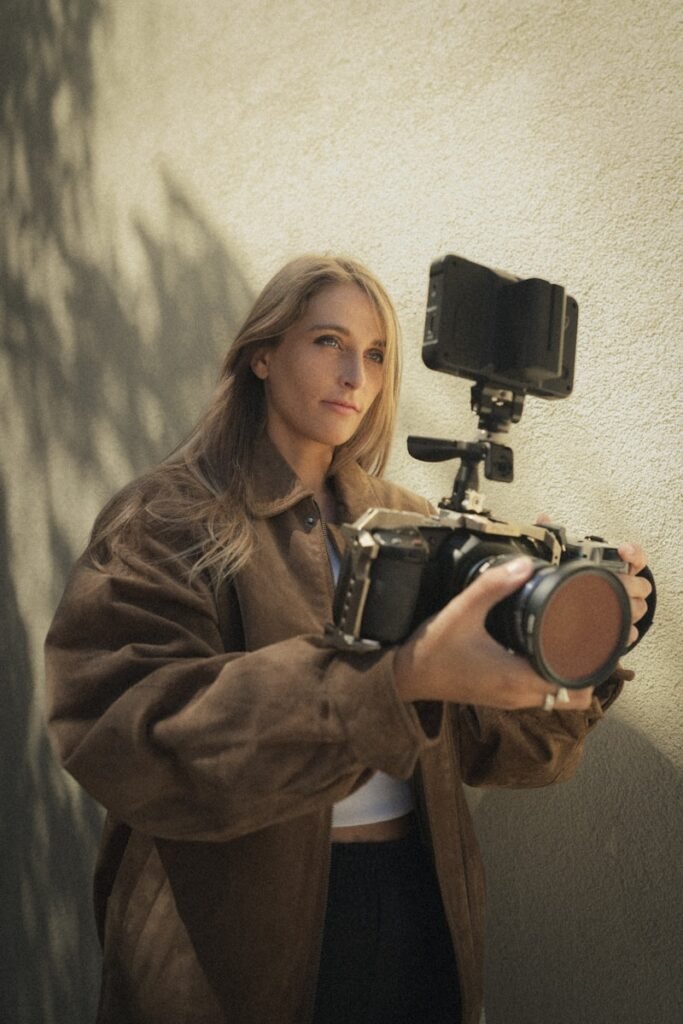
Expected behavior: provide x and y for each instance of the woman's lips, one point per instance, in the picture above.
(346, 408)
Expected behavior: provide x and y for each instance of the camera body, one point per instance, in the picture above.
(402, 567)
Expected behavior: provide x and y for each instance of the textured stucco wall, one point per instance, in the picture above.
(160, 159)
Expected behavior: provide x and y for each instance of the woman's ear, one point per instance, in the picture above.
(259, 363)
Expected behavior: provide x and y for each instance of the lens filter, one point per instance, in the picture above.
(575, 620)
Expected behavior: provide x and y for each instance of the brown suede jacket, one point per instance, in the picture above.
(218, 731)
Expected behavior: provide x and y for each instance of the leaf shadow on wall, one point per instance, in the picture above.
(117, 372)
(585, 890)
(44, 885)
(106, 378)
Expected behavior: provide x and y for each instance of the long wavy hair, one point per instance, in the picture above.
(218, 454)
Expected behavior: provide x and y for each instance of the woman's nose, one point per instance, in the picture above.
(352, 370)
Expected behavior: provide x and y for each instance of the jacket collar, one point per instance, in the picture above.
(276, 487)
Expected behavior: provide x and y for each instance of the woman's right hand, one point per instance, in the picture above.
(452, 656)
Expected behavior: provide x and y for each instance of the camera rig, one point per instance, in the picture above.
(571, 618)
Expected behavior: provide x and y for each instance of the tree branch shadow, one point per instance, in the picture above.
(106, 378)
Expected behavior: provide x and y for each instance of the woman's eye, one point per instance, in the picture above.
(327, 339)
(376, 355)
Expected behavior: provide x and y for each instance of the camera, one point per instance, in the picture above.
(571, 619)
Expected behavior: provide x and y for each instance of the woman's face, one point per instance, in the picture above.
(324, 374)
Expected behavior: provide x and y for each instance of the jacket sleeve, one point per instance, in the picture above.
(519, 749)
(182, 740)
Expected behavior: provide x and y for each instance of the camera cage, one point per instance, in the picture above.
(364, 547)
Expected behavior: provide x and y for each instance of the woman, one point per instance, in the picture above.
(286, 837)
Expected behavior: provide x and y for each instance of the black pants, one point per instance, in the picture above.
(387, 956)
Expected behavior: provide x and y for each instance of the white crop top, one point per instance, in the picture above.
(382, 797)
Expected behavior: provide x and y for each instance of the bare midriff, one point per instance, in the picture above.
(375, 831)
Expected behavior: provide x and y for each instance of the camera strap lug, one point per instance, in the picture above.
(342, 641)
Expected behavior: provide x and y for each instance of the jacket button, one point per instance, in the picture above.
(310, 522)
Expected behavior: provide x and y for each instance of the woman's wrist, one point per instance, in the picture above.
(414, 680)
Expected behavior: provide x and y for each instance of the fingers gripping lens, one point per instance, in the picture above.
(571, 621)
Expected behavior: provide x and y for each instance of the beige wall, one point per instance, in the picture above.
(160, 160)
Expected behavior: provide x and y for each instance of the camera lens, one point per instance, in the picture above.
(570, 620)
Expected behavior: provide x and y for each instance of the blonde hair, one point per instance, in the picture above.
(219, 451)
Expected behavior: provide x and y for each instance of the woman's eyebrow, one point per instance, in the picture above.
(329, 327)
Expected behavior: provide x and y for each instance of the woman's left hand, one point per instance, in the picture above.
(637, 588)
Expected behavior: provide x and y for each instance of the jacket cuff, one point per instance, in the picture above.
(651, 601)
(607, 692)
(384, 732)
